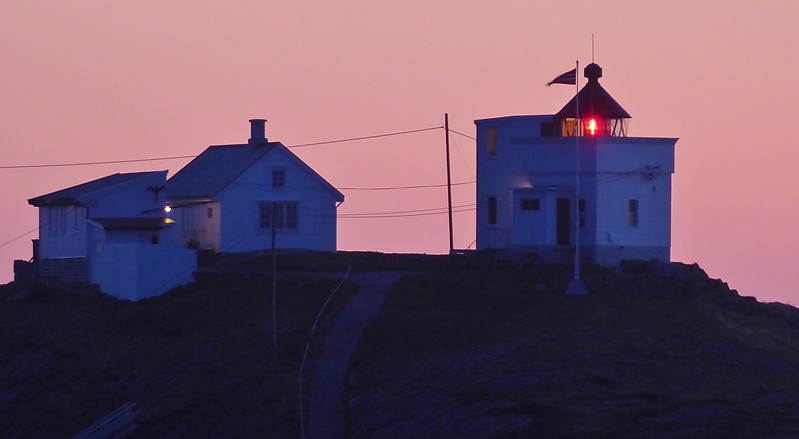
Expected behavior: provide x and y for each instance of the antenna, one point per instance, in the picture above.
(592, 48)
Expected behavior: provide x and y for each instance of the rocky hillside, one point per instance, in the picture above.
(655, 351)
(197, 361)
(461, 348)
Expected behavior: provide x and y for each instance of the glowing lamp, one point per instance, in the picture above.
(167, 209)
(592, 126)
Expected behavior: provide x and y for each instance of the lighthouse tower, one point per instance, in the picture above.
(527, 190)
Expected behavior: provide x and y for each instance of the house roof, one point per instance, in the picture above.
(594, 100)
(220, 165)
(71, 195)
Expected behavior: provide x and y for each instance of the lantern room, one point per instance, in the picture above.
(593, 112)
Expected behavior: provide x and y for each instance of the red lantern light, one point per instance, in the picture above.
(592, 126)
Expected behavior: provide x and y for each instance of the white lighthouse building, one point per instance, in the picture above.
(527, 173)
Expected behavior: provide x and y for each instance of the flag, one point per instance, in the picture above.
(569, 78)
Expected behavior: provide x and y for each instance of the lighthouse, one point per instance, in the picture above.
(529, 201)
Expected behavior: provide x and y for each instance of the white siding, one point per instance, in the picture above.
(198, 224)
(62, 232)
(240, 209)
(128, 200)
(613, 171)
(132, 271)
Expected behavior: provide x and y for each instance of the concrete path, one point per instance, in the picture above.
(326, 401)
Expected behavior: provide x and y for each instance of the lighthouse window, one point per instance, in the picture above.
(547, 129)
(633, 218)
(530, 204)
(491, 140)
(492, 210)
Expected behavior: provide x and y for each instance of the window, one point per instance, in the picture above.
(492, 210)
(633, 218)
(80, 219)
(547, 129)
(57, 220)
(530, 204)
(491, 140)
(292, 216)
(286, 215)
(581, 208)
(210, 212)
(278, 178)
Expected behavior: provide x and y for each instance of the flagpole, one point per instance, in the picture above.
(576, 286)
(577, 175)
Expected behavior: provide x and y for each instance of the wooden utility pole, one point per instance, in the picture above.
(449, 185)
(274, 287)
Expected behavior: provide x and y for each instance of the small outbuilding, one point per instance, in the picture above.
(111, 232)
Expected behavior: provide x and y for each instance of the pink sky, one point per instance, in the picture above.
(98, 80)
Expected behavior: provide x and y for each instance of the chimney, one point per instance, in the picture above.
(257, 131)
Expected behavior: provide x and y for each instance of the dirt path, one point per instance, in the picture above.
(325, 405)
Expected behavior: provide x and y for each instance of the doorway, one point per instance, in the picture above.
(563, 217)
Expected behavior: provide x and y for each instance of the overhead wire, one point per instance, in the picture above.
(400, 215)
(460, 133)
(19, 237)
(371, 215)
(375, 136)
(407, 211)
(105, 162)
(154, 159)
(379, 188)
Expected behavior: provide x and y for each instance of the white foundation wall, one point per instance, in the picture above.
(133, 272)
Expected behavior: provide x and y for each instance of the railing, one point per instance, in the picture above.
(116, 424)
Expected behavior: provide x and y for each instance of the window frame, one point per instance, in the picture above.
(530, 204)
(491, 141)
(287, 215)
(279, 177)
(633, 207)
(492, 210)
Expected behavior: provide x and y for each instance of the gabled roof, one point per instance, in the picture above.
(594, 100)
(71, 195)
(220, 165)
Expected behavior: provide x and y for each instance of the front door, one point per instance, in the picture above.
(563, 217)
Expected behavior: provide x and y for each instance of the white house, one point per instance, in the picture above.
(526, 183)
(111, 232)
(230, 196)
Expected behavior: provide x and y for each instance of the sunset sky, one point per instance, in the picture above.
(86, 81)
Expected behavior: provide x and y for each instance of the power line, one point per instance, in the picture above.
(375, 136)
(391, 188)
(404, 215)
(407, 211)
(19, 237)
(464, 135)
(107, 162)
(154, 159)
(384, 188)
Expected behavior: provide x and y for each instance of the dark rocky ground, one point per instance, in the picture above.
(659, 351)
(460, 349)
(197, 361)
